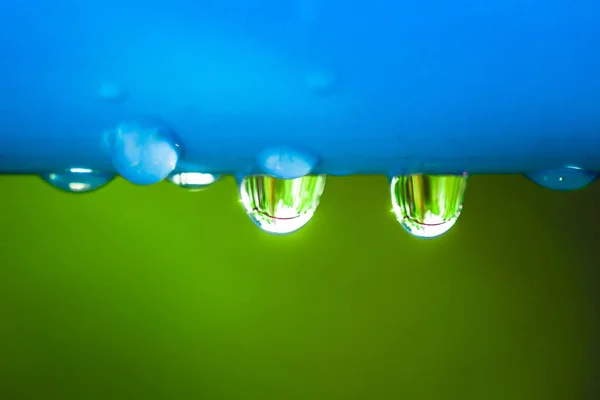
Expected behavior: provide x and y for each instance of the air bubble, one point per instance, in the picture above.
(281, 206)
(428, 205)
(78, 180)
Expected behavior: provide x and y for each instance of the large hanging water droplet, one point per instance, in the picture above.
(563, 179)
(428, 205)
(281, 206)
(193, 180)
(143, 154)
(78, 180)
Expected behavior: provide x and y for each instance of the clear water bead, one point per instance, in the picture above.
(428, 205)
(78, 180)
(563, 179)
(281, 206)
(193, 180)
(286, 162)
(143, 154)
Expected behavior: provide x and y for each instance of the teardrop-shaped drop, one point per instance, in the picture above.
(78, 180)
(428, 205)
(281, 206)
(193, 181)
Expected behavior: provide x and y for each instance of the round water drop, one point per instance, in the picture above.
(193, 180)
(286, 163)
(281, 206)
(78, 180)
(428, 205)
(563, 179)
(143, 154)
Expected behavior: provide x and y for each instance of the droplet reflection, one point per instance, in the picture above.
(78, 180)
(281, 206)
(428, 205)
(193, 180)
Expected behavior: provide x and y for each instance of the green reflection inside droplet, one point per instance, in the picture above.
(428, 205)
(281, 206)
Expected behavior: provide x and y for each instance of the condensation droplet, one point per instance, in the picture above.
(428, 205)
(563, 179)
(286, 162)
(143, 154)
(78, 180)
(193, 180)
(281, 206)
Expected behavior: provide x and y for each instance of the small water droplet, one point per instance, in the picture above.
(286, 162)
(428, 205)
(193, 180)
(281, 206)
(78, 180)
(563, 179)
(143, 154)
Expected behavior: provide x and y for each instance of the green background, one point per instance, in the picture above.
(157, 293)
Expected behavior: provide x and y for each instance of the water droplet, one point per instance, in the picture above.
(281, 206)
(428, 205)
(286, 163)
(143, 154)
(193, 180)
(563, 179)
(78, 180)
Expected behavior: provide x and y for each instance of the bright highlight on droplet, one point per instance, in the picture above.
(428, 205)
(281, 206)
(78, 180)
(193, 180)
